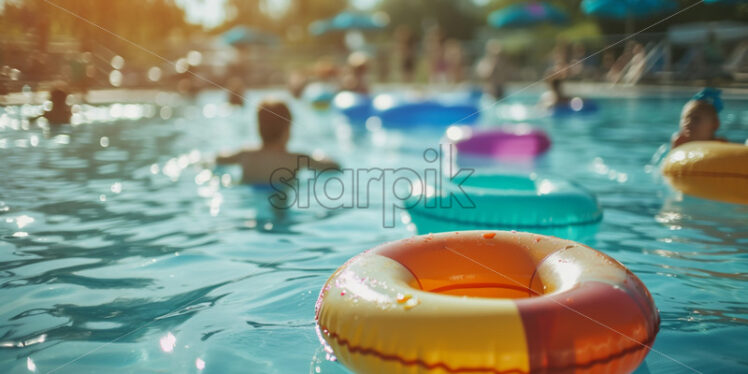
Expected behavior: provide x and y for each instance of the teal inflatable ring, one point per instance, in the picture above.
(547, 206)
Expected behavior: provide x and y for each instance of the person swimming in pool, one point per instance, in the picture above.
(699, 119)
(61, 112)
(555, 96)
(274, 123)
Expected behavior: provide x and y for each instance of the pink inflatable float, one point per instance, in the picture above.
(505, 143)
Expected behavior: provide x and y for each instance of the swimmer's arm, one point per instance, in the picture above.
(320, 164)
(229, 158)
(306, 161)
(323, 164)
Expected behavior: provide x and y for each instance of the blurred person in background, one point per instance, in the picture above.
(406, 52)
(608, 60)
(617, 69)
(454, 60)
(492, 70)
(637, 64)
(435, 50)
(555, 96)
(383, 65)
(354, 77)
(577, 64)
(297, 81)
(559, 66)
(235, 91)
(60, 113)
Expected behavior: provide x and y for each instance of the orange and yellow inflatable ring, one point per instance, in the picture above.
(710, 170)
(486, 302)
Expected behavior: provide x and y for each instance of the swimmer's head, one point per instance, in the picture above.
(358, 61)
(274, 122)
(58, 95)
(297, 81)
(325, 69)
(699, 120)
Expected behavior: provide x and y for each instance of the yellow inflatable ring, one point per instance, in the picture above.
(486, 302)
(711, 170)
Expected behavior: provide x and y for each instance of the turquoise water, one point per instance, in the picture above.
(122, 251)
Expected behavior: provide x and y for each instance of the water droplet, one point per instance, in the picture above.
(30, 364)
(412, 303)
(168, 342)
(199, 363)
(403, 298)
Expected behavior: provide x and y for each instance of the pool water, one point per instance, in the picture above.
(123, 250)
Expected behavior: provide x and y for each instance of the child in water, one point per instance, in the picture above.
(699, 119)
(274, 123)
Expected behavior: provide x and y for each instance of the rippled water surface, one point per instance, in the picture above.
(122, 250)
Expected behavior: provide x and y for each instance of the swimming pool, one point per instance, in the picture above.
(120, 249)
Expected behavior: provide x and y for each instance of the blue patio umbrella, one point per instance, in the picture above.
(627, 9)
(348, 21)
(527, 14)
(242, 36)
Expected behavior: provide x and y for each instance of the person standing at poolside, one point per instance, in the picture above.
(454, 58)
(435, 50)
(354, 76)
(492, 70)
(407, 48)
(274, 124)
(235, 91)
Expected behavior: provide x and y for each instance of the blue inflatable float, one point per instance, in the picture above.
(469, 96)
(399, 113)
(355, 106)
(507, 202)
